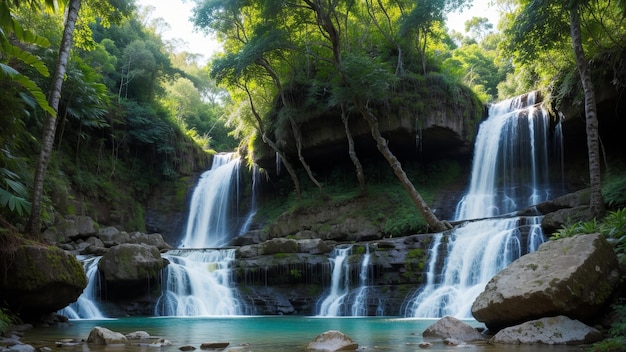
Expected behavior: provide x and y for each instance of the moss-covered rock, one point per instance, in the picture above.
(131, 262)
(38, 280)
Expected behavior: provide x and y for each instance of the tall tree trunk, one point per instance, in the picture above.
(332, 34)
(47, 141)
(381, 143)
(360, 175)
(596, 204)
(268, 141)
(298, 137)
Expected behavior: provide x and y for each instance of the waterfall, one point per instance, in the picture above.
(339, 283)
(209, 222)
(359, 307)
(510, 171)
(85, 306)
(511, 160)
(197, 283)
(342, 299)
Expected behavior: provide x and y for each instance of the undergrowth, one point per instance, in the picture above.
(613, 228)
(387, 203)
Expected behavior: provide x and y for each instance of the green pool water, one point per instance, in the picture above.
(264, 333)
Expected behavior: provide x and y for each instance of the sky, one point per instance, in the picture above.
(177, 14)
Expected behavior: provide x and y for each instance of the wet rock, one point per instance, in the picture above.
(425, 345)
(331, 341)
(279, 245)
(313, 246)
(452, 328)
(103, 336)
(137, 335)
(39, 280)
(573, 276)
(187, 348)
(131, 262)
(215, 346)
(558, 330)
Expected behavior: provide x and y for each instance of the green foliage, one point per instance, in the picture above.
(617, 334)
(612, 227)
(614, 187)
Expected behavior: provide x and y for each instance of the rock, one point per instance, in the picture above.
(137, 335)
(187, 348)
(573, 276)
(313, 246)
(76, 227)
(555, 220)
(452, 328)
(108, 235)
(214, 345)
(104, 336)
(332, 340)
(39, 280)
(425, 345)
(279, 245)
(570, 200)
(153, 239)
(20, 347)
(94, 246)
(248, 251)
(559, 330)
(131, 262)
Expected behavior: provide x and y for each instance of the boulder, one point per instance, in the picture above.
(131, 262)
(573, 276)
(153, 239)
(279, 245)
(215, 346)
(76, 227)
(556, 219)
(559, 330)
(104, 336)
(332, 340)
(108, 235)
(313, 246)
(38, 280)
(452, 328)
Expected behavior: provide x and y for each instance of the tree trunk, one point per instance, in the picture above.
(381, 143)
(360, 175)
(298, 137)
(47, 141)
(596, 204)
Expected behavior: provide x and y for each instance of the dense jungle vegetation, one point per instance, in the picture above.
(131, 114)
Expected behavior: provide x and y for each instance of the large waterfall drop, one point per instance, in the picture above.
(510, 172)
(197, 282)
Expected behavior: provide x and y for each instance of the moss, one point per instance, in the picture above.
(532, 266)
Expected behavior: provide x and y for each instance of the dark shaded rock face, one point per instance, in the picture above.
(573, 276)
(39, 280)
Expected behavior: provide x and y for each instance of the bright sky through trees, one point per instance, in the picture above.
(177, 13)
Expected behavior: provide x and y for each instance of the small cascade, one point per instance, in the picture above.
(209, 223)
(86, 307)
(197, 283)
(339, 285)
(359, 307)
(256, 178)
(510, 171)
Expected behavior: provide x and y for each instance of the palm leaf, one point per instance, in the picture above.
(32, 87)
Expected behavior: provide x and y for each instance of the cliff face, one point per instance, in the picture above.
(432, 123)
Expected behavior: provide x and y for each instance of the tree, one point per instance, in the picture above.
(47, 141)
(596, 204)
(542, 25)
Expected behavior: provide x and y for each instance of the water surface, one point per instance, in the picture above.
(265, 333)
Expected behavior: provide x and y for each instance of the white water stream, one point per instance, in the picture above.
(86, 306)
(510, 172)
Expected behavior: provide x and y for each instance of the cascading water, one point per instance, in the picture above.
(339, 284)
(341, 300)
(197, 282)
(86, 307)
(208, 224)
(509, 172)
(359, 307)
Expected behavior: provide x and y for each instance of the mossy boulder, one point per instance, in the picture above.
(131, 262)
(38, 280)
(574, 277)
